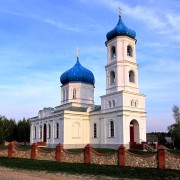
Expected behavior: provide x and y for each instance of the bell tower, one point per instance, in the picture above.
(121, 68)
(122, 104)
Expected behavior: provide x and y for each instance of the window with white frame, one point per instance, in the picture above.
(131, 76)
(132, 102)
(64, 94)
(74, 93)
(109, 104)
(111, 128)
(129, 51)
(113, 52)
(56, 130)
(113, 103)
(40, 131)
(67, 94)
(95, 130)
(49, 131)
(34, 132)
(112, 77)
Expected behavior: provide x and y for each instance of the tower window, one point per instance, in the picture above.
(129, 51)
(95, 130)
(132, 102)
(111, 129)
(131, 76)
(113, 52)
(112, 77)
(74, 93)
(136, 103)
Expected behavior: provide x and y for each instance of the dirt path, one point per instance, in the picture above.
(11, 174)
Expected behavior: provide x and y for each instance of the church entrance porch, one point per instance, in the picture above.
(134, 131)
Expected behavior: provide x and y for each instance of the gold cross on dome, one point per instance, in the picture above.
(120, 11)
(77, 52)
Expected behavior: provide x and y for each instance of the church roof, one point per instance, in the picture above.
(78, 73)
(120, 30)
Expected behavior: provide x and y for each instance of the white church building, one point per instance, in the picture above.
(121, 117)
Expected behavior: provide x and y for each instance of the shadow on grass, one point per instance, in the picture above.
(89, 169)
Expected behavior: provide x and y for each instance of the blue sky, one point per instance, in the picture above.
(38, 40)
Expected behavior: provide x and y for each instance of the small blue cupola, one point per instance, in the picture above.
(120, 30)
(77, 74)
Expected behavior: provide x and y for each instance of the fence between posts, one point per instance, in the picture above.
(121, 157)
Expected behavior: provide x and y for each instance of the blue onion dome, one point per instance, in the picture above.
(77, 74)
(120, 30)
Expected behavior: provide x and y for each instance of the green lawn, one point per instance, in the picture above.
(89, 169)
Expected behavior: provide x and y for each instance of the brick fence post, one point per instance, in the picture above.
(11, 150)
(121, 155)
(59, 148)
(161, 157)
(87, 154)
(34, 148)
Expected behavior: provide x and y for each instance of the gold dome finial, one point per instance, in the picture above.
(120, 11)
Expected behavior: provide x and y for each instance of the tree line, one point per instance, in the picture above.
(11, 130)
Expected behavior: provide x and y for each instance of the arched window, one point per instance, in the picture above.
(112, 77)
(113, 52)
(95, 130)
(49, 131)
(129, 51)
(56, 128)
(136, 103)
(111, 129)
(74, 93)
(34, 132)
(113, 103)
(132, 102)
(131, 76)
(40, 131)
(109, 104)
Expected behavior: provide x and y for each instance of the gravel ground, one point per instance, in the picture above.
(11, 174)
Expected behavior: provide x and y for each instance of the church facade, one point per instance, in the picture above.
(121, 117)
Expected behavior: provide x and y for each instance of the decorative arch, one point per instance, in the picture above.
(76, 129)
(129, 51)
(134, 131)
(113, 52)
(131, 76)
(112, 77)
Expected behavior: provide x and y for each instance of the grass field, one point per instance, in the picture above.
(89, 169)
